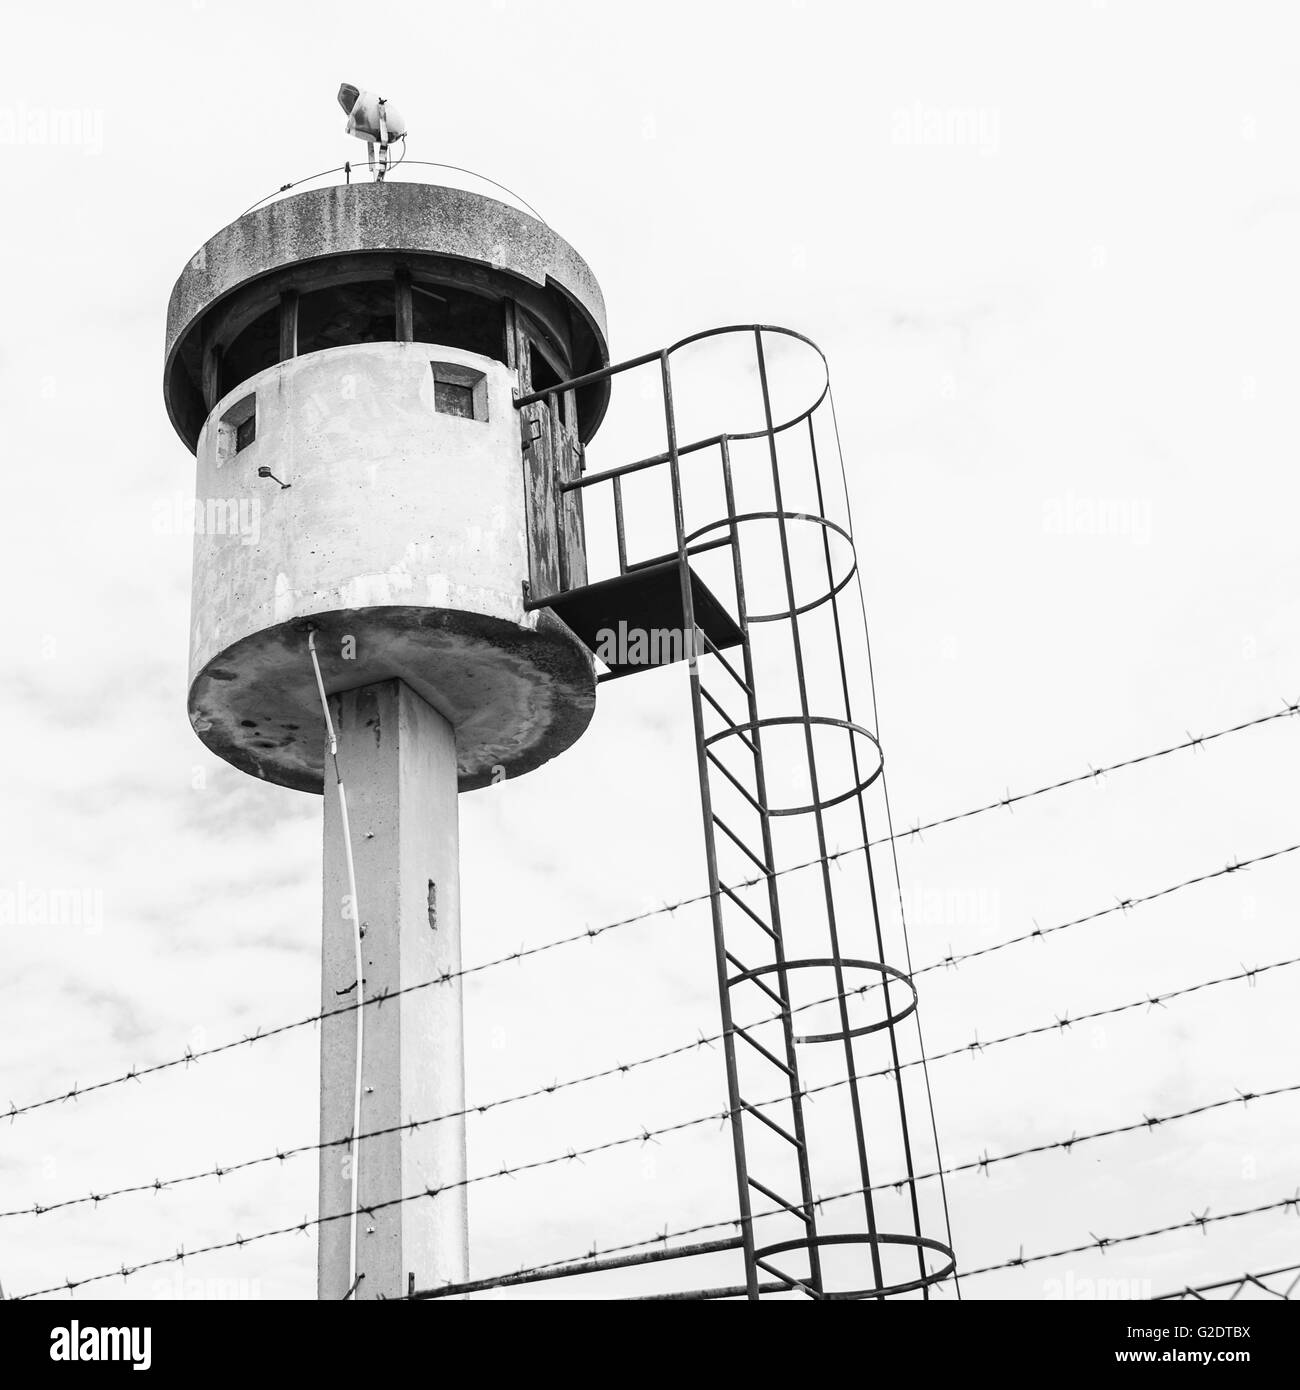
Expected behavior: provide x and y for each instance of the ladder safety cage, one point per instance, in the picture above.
(786, 770)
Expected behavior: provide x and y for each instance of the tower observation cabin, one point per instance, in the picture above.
(349, 358)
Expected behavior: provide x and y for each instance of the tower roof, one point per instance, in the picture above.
(370, 218)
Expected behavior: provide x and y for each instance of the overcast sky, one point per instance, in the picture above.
(1049, 251)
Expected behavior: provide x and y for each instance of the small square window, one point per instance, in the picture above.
(459, 391)
(245, 432)
(451, 398)
(236, 429)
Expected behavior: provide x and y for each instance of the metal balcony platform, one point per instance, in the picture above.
(648, 604)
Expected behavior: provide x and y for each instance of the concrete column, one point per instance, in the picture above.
(398, 761)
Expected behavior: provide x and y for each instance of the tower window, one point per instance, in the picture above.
(459, 391)
(253, 350)
(451, 398)
(458, 318)
(361, 312)
(236, 429)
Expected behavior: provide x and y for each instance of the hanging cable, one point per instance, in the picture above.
(353, 1146)
(893, 843)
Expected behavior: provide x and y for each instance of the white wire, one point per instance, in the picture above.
(353, 1152)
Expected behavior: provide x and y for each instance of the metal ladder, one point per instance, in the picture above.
(762, 957)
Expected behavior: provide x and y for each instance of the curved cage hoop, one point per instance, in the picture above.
(837, 583)
(838, 965)
(873, 1242)
(810, 721)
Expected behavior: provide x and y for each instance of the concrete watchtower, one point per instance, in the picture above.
(344, 363)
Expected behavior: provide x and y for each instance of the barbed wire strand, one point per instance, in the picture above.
(951, 960)
(262, 1034)
(644, 1136)
(380, 997)
(1147, 1122)
(1237, 1285)
(1205, 1219)
(1068, 1145)
(977, 1047)
(1103, 1243)
(1094, 773)
(1150, 1001)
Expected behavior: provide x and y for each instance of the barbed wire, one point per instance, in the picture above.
(380, 997)
(1060, 1024)
(1097, 1242)
(1148, 1122)
(262, 1034)
(408, 1126)
(644, 1136)
(571, 1155)
(1093, 773)
(1237, 1286)
(951, 960)
(1149, 1001)
(1103, 1243)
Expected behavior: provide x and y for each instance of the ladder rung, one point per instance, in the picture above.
(715, 650)
(758, 1047)
(771, 1124)
(776, 1197)
(727, 719)
(734, 730)
(732, 726)
(736, 961)
(740, 844)
(735, 781)
(745, 907)
(786, 1279)
(750, 977)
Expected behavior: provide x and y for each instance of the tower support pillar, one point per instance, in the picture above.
(397, 757)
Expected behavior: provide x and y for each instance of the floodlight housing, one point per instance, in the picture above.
(364, 111)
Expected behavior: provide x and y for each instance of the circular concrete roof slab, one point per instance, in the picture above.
(346, 219)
